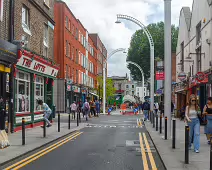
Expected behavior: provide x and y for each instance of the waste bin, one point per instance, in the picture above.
(53, 111)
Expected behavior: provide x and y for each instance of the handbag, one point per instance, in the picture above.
(202, 119)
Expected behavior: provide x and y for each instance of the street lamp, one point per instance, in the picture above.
(104, 74)
(142, 73)
(151, 42)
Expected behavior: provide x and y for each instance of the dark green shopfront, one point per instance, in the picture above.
(34, 80)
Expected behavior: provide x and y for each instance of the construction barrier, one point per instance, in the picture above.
(123, 108)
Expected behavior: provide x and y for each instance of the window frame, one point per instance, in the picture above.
(41, 97)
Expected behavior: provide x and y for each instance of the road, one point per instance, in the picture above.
(107, 143)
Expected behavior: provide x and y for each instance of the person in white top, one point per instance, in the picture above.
(193, 122)
(156, 107)
(73, 108)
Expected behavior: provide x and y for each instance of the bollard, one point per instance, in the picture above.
(173, 133)
(160, 124)
(186, 144)
(211, 154)
(23, 131)
(44, 128)
(166, 127)
(156, 122)
(153, 119)
(69, 121)
(77, 119)
(58, 122)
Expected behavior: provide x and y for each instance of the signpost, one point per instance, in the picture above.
(200, 76)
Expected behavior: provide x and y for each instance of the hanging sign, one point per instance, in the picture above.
(182, 76)
(200, 76)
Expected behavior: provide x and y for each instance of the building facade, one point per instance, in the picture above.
(194, 49)
(35, 70)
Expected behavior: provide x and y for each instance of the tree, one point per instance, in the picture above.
(139, 51)
(110, 90)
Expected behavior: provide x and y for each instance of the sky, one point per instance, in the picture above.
(99, 16)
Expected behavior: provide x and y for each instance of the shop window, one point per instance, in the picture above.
(23, 92)
(39, 92)
(25, 20)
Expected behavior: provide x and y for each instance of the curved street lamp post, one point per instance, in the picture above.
(142, 73)
(151, 42)
(104, 75)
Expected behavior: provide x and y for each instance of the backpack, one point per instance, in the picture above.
(146, 106)
(86, 108)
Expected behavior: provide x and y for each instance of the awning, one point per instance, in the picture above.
(93, 94)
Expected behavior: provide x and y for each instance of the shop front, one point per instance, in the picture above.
(34, 80)
(8, 57)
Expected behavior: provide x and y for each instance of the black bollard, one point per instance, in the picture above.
(58, 122)
(187, 144)
(173, 133)
(69, 121)
(160, 124)
(148, 115)
(77, 119)
(153, 119)
(211, 154)
(166, 127)
(23, 131)
(156, 122)
(44, 128)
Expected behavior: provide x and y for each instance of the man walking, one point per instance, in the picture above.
(73, 110)
(146, 109)
(47, 112)
(86, 109)
(97, 108)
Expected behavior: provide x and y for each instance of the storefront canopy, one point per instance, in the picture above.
(128, 98)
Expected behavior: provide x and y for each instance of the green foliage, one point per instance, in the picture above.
(110, 90)
(139, 51)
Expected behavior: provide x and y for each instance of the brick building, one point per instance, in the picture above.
(77, 55)
(35, 70)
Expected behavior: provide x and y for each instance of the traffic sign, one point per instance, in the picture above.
(200, 76)
(182, 76)
(69, 82)
(68, 87)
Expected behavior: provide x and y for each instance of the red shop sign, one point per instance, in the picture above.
(160, 75)
(200, 76)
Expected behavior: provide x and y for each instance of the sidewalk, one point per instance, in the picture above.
(34, 139)
(174, 158)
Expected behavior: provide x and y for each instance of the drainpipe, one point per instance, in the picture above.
(11, 97)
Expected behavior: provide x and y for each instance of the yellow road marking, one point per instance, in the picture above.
(145, 164)
(152, 161)
(42, 151)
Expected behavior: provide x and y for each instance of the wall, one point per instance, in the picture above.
(4, 24)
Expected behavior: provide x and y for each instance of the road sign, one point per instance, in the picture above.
(69, 82)
(68, 87)
(182, 76)
(200, 76)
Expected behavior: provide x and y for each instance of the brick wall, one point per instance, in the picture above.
(4, 24)
(36, 24)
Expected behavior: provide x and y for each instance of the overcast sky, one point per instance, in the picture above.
(99, 16)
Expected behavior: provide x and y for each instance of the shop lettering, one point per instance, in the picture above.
(39, 67)
(27, 62)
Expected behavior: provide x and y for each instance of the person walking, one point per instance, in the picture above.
(193, 123)
(47, 112)
(97, 108)
(93, 112)
(73, 110)
(86, 109)
(207, 112)
(146, 109)
(161, 108)
(156, 107)
(2, 114)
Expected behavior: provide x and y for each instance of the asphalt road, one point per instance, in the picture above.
(107, 143)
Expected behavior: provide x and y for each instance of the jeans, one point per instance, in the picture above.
(73, 114)
(194, 131)
(46, 117)
(146, 114)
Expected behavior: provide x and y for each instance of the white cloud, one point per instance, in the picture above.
(99, 16)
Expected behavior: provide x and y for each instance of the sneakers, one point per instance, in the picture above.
(197, 151)
(49, 125)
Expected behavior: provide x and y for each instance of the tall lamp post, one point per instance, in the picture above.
(151, 43)
(142, 73)
(104, 75)
(168, 63)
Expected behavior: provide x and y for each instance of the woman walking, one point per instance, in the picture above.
(207, 111)
(193, 122)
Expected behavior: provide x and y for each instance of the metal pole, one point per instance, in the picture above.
(58, 122)
(156, 122)
(104, 90)
(153, 119)
(187, 144)
(23, 131)
(77, 119)
(69, 121)
(160, 123)
(44, 128)
(174, 134)
(152, 79)
(166, 127)
(168, 63)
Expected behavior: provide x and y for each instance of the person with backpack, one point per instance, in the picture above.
(47, 112)
(86, 109)
(73, 110)
(146, 109)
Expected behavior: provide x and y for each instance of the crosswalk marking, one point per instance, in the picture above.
(112, 126)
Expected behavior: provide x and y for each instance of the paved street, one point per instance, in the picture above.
(107, 143)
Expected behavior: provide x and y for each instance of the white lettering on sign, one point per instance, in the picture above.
(19, 119)
(38, 117)
(37, 66)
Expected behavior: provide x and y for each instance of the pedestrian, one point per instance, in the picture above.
(207, 112)
(93, 106)
(161, 108)
(86, 109)
(73, 108)
(156, 107)
(146, 109)
(79, 108)
(47, 112)
(97, 108)
(2, 114)
(172, 108)
(193, 123)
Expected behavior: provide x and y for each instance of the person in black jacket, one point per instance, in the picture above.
(2, 114)
(161, 108)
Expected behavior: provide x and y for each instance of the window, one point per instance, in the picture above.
(182, 56)
(119, 86)
(46, 35)
(77, 57)
(198, 33)
(66, 22)
(127, 92)
(72, 53)
(73, 28)
(25, 20)
(199, 62)
(77, 80)
(46, 2)
(66, 48)
(76, 34)
(69, 25)
(1, 10)
(39, 92)
(127, 86)
(23, 92)
(45, 51)
(66, 72)
(133, 92)
(133, 86)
